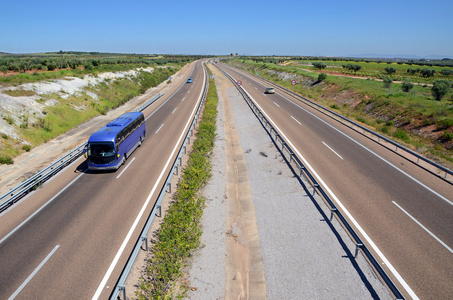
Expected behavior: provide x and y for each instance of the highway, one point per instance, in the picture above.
(71, 238)
(402, 212)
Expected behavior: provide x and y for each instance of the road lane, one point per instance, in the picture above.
(90, 219)
(367, 185)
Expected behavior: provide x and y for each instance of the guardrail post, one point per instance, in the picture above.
(314, 188)
(175, 170)
(333, 210)
(357, 247)
(169, 187)
(300, 170)
(159, 211)
(122, 288)
(145, 239)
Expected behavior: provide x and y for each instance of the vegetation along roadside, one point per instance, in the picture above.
(414, 108)
(180, 232)
(44, 116)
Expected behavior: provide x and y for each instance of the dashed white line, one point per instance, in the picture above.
(426, 229)
(296, 120)
(340, 204)
(159, 128)
(332, 150)
(125, 168)
(183, 99)
(131, 230)
(276, 104)
(174, 110)
(34, 273)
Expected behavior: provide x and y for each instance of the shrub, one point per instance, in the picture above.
(400, 134)
(26, 147)
(6, 160)
(407, 86)
(440, 89)
(446, 137)
(388, 82)
(322, 77)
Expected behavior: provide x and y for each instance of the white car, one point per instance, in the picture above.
(269, 90)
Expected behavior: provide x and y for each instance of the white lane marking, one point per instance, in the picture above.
(426, 229)
(33, 273)
(183, 99)
(256, 88)
(139, 216)
(174, 110)
(125, 168)
(276, 104)
(375, 154)
(160, 128)
(41, 208)
(356, 224)
(332, 150)
(296, 120)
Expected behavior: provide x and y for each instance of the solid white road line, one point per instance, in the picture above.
(159, 128)
(125, 168)
(41, 208)
(33, 273)
(139, 216)
(332, 150)
(343, 208)
(426, 229)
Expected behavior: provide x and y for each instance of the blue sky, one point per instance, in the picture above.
(325, 28)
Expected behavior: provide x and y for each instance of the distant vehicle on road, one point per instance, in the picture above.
(109, 147)
(189, 80)
(269, 90)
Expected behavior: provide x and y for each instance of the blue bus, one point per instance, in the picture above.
(109, 147)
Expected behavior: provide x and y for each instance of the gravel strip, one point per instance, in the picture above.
(304, 256)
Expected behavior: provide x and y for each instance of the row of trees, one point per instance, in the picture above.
(24, 64)
(439, 89)
(445, 62)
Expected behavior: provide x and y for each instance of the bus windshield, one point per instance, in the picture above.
(101, 153)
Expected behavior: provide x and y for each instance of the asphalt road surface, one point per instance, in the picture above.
(71, 238)
(402, 212)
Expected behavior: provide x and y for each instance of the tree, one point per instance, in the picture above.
(388, 82)
(440, 89)
(446, 72)
(390, 70)
(352, 67)
(319, 65)
(322, 77)
(427, 72)
(407, 86)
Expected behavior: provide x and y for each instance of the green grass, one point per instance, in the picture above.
(180, 232)
(76, 109)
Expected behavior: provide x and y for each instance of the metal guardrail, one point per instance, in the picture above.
(300, 170)
(121, 283)
(355, 126)
(39, 178)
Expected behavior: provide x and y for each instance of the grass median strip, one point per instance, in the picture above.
(180, 232)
